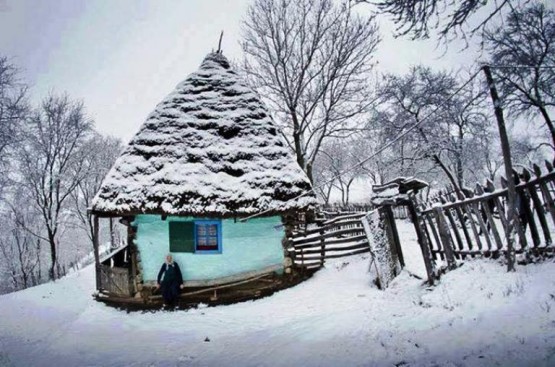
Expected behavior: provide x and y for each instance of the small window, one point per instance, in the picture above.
(208, 236)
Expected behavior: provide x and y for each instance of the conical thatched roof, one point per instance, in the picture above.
(209, 148)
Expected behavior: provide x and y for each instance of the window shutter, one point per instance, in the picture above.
(182, 237)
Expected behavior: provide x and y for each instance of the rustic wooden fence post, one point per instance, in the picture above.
(445, 238)
(537, 206)
(547, 198)
(423, 240)
(487, 209)
(322, 246)
(383, 257)
(393, 233)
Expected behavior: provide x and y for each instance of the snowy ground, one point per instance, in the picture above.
(477, 316)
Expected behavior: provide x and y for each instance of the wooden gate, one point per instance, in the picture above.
(115, 280)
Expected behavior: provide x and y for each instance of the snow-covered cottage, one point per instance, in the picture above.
(208, 156)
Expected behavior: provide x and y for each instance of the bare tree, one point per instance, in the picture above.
(99, 154)
(523, 49)
(324, 178)
(467, 117)
(50, 163)
(310, 60)
(21, 251)
(416, 18)
(446, 119)
(13, 108)
(413, 97)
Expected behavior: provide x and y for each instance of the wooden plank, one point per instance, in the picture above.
(344, 232)
(318, 259)
(330, 242)
(517, 223)
(538, 207)
(489, 215)
(498, 205)
(390, 221)
(453, 224)
(484, 229)
(133, 257)
(486, 207)
(344, 217)
(96, 247)
(422, 240)
(472, 226)
(445, 237)
(548, 201)
(435, 234)
(460, 217)
(385, 261)
(527, 217)
(346, 248)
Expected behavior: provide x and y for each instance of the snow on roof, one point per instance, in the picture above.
(210, 148)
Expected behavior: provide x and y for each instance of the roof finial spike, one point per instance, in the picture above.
(220, 43)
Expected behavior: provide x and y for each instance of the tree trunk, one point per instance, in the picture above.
(449, 175)
(297, 140)
(458, 158)
(53, 256)
(309, 172)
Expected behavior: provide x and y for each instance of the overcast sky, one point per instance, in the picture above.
(122, 57)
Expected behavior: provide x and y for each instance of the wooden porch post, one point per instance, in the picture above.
(96, 250)
(133, 256)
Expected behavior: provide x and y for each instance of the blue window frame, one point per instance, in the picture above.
(208, 236)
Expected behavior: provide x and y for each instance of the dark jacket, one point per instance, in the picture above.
(170, 275)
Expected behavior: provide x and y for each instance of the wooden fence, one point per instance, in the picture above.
(456, 229)
(337, 237)
(448, 229)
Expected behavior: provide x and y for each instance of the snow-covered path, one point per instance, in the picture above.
(478, 316)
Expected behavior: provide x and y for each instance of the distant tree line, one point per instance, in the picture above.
(51, 164)
(313, 62)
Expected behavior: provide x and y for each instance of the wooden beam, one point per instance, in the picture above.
(422, 239)
(96, 247)
(133, 257)
(445, 237)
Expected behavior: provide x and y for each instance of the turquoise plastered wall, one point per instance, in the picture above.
(246, 246)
